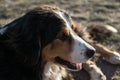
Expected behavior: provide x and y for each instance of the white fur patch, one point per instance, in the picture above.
(114, 59)
(79, 45)
(53, 72)
(96, 73)
(110, 28)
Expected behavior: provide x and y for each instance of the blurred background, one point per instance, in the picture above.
(82, 11)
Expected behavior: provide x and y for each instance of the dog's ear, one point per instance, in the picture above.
(4, 36)
(29, 33)
(23, 38)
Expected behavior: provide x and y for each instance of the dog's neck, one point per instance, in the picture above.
(53, 71)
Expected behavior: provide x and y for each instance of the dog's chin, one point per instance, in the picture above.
(69, 65)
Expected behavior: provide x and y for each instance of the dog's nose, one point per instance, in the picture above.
(90, 53)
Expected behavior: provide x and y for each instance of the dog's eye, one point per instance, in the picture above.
(63, 37)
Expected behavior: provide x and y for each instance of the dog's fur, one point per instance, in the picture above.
(94, 71)
(41, 45)
(41, 39)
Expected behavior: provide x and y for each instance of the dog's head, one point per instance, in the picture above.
(66, 47)
(47, 33)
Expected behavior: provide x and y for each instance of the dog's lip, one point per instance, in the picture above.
(70, 65)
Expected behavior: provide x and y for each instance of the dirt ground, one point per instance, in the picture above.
(82, 11)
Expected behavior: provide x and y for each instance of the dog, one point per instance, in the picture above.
(39, 44)
(44, 44)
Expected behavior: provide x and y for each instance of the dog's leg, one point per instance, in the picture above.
(109, 55)
(104, 31)
(94, 72)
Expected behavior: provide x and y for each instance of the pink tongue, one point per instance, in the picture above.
(79, 66)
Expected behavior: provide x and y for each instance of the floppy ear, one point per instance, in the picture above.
(29, 33)
(23, 39)
(4, 36)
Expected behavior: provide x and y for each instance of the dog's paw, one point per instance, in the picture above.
(94, 72)
(114, 58)
(107, 54)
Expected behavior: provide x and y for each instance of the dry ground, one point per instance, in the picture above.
(82, 11)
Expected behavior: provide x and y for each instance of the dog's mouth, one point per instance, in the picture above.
(69, 65)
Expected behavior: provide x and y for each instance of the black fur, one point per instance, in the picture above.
(21, 43)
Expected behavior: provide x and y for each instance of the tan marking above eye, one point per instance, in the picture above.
(73, 25)
(66, 31)
(64, 34)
